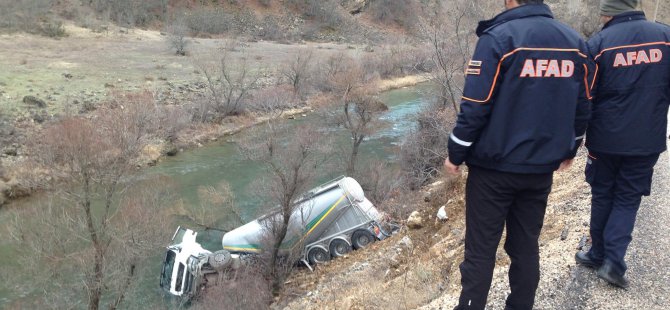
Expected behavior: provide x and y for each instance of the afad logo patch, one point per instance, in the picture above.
(474, 67)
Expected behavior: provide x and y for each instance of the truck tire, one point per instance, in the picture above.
(362, 238)
(317, 255)
(339, 247)
(219, 260)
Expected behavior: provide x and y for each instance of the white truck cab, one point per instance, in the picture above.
(328, 221)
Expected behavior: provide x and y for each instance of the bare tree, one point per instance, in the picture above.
(357, 108)
(292, 159)
(272, 101)
(582, 16)
(423, 151)
(228, 85)
(297, 70)
(452, 44)
(381, 181)
(177, 33)
(359, 116)
(216, 200)
(59, 258)
(246, 288)
(98, 155)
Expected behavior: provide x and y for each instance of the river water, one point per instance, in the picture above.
(222, 162)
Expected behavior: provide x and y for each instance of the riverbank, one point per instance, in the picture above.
(66, 77)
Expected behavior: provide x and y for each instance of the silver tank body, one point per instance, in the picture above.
(341, 201)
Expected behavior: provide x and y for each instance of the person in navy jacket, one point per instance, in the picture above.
(523, 114)
(631, 94)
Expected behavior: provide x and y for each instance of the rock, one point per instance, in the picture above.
(10, 151)
(565, 232)
(582, 243)
(15, 189)
(426, 198)
(358, 267)
(442, 214)
(3, 188)
(405, 243)
(150, 154)
(394, 261)
(39, 117)
(171, 150)
(415, 221)
(347, 303)
(32, 100)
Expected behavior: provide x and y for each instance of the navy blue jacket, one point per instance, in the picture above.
(631, 89)
(525, 104)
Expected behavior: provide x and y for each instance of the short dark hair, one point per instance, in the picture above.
(521, 2)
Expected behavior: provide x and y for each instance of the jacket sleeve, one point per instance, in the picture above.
(583, 113)
(481, 77)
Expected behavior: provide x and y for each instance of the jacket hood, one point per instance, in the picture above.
(523, 11)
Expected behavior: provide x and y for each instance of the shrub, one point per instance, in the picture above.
(245, 289)
(273, 99)
(402, 13)
(327, 12)
(424, 150)
(53, 29)
(131, 12)
(177, 38)
(212, 21)
(23, 15)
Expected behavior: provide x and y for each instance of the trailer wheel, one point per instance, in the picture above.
(362, 238)
(317, 255)
(339, 247)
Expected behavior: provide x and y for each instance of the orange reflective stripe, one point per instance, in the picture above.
(495, 78)
(627, 46)
(595, 76)
(586, 82)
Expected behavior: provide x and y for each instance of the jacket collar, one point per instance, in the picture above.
(522, 11)
(625, 17)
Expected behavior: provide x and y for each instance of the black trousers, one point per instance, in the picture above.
(617, 186)
(494, 200)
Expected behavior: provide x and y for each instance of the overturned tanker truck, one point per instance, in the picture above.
(328, 221)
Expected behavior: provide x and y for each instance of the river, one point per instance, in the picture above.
(222, 162)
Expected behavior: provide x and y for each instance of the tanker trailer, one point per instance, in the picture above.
(328, 222)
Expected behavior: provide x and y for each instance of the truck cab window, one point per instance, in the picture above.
(180, 278)
(166, 274)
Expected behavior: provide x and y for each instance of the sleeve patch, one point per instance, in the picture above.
(475, 63)
(470, 71)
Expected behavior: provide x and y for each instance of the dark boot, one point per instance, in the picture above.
(607, 273)
(583, 258)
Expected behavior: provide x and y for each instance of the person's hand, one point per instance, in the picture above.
(565, 165)
(451, 168)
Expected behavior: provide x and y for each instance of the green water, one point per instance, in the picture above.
(222, 161)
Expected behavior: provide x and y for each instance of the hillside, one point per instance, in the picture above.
(84, 60)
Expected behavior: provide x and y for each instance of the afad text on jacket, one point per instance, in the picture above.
(525, 105)
(631, 88)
